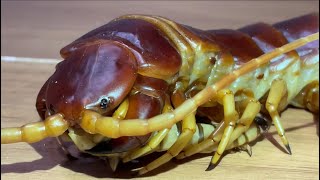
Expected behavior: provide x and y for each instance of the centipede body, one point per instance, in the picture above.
(290, 93)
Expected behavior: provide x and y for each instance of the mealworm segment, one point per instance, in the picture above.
(141, 84)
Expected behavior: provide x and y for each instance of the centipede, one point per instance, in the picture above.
(142, 84)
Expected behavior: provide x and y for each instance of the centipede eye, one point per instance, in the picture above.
(104, 103)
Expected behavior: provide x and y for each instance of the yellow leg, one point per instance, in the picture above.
(119, 114)
(153, 142)
(151, 145)
(277, 91)
(216, 136)
(212, 140)
(226, 98)
(252, 133)
(122, 110)
(188, 129)
(230, 118)
(250, 112)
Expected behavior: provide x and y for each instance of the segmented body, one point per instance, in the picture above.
(189, 59)
(158, 72)
(207, 56)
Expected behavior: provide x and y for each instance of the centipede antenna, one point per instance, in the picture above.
(52, 126)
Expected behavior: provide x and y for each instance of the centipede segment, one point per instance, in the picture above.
(53, 126)
(142, 84)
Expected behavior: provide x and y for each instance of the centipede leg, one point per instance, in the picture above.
(208, 143)
(151, 145)
(153, 142)
(230, 118)
(227, 100)
(238, 137)
(277, 91)
(250, 112)
(120, 114)
(122, 110)
(252, 133)
(188, 129)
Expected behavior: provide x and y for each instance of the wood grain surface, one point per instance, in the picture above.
(38, 29)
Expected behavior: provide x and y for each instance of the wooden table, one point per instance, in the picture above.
(39, 29)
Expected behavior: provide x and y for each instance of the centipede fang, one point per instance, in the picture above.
(142, 84)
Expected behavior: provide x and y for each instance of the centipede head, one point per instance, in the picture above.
(96, 75)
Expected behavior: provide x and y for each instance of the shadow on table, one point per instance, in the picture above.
(52, 155)
(270, 135)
